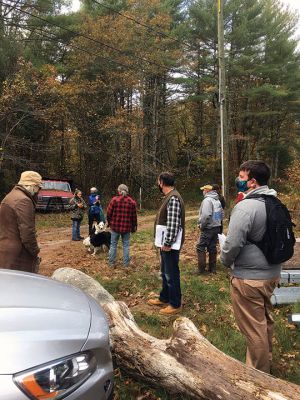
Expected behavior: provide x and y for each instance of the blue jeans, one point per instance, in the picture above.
(171, 292)
(113, 247)
(76, 229)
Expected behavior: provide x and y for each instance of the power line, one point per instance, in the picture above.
(44, 36)
(148, 27)
(52, 38)
(91, 39)
(39, 31)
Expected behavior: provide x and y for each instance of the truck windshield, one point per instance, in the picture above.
(52, 185)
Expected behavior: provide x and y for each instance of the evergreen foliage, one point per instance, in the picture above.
(123, 89)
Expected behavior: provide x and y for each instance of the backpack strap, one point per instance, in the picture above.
(257, 196)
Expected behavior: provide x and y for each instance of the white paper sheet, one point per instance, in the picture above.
(221, 238)
(160, 235)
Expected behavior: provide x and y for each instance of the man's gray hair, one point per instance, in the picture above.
(123, 189)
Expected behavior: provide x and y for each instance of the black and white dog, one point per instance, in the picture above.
(99, 238)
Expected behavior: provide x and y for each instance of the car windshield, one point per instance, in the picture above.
(52, 185)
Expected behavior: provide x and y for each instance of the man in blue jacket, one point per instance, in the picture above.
(253, 277)
(95, 209)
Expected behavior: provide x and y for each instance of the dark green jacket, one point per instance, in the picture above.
(77, 212)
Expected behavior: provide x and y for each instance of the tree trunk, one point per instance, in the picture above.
(186, 363)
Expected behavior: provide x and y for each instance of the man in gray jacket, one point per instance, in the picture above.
(253, 278)
(210, 220)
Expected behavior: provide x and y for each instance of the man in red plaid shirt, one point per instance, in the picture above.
(122, 220)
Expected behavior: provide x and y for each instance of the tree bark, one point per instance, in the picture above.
(186, 363)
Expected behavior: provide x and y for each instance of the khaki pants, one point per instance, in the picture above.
(252, 306)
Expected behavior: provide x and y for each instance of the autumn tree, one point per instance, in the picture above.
(119, 91)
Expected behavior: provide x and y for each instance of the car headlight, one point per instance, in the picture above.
(57, 379)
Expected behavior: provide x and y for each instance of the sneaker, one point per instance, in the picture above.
(169, 310)
(156, 302)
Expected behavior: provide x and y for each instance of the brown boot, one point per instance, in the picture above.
(170, 310)
(212, 260)
(156, 302)
(201, 262)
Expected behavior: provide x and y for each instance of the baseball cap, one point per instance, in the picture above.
(206, 187)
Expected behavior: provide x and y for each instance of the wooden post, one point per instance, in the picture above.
(140, 199)
(222, 100)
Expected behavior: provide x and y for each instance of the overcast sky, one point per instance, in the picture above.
(293, 3)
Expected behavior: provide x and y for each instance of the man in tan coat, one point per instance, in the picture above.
(18, 244)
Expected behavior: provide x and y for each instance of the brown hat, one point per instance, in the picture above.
(29, 178)
(206, 187)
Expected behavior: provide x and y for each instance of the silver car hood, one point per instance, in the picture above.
(40, 320)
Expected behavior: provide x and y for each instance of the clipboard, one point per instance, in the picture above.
(160, 234)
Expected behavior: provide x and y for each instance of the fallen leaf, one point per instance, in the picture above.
(291, 326)
(203, 329)
(153, 294)
(289, 355)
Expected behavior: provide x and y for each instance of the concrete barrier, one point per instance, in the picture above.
(286, 295)
(290, 276)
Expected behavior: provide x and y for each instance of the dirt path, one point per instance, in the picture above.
(57, 249)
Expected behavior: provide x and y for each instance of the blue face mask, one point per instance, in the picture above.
(241, 185)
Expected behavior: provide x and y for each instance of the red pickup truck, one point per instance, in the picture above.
(54, 195)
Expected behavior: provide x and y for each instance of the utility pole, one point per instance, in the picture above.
(222, 100)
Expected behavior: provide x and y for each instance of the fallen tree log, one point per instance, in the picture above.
(186, 363)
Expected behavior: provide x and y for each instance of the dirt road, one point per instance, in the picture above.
(57, 249)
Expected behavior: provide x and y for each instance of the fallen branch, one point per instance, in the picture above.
(186, 363)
